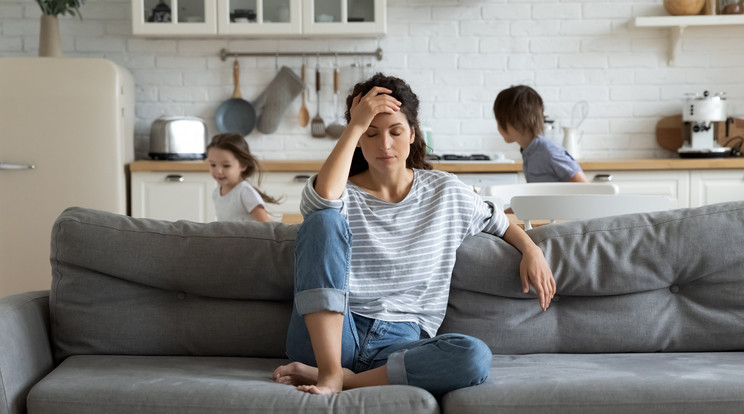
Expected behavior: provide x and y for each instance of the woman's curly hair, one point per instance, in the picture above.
(409, 106)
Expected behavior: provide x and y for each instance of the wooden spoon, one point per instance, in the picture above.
(304, 114)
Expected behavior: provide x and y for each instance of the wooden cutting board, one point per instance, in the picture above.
(669, 132)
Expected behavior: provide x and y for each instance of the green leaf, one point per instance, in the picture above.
(57, 7)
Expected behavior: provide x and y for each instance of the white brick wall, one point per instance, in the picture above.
(457, 55)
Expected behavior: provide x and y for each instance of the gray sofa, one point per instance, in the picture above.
(147, 316)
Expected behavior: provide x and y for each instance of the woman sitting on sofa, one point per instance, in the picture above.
(375, 253)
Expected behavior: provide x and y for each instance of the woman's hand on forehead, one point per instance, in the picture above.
(376, 101)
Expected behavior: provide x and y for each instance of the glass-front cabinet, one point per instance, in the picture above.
(168, 17)
(259, 17)
(344, 17)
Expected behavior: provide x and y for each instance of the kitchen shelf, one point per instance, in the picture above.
(677, 25)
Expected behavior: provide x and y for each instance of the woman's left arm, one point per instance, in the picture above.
(534, 268)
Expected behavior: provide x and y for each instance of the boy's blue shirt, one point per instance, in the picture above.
(545, 161)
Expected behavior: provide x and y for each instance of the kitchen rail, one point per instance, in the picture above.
(470, 167)
(224, 54)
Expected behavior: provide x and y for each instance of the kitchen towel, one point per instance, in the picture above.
(276, 98)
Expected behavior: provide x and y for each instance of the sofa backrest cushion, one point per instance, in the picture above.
(665, 281)
(148, 287)
(662, 281)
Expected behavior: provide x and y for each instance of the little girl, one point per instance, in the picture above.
(231, 163)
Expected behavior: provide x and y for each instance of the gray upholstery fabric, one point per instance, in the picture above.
(659, 383)
(663, 281)
(25, 354)
(185, 385)
(186, 317)
(148, 287)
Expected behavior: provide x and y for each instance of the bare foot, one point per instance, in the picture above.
(328, 383)
(314, 389)
(305, 378)
(296, 373)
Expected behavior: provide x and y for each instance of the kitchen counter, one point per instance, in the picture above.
(472, 166)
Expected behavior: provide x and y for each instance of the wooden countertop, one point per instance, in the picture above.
(471, 167)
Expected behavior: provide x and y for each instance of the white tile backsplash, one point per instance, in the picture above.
(457, 55)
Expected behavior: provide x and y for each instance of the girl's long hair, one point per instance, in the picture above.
(236, 144)
(409, 106)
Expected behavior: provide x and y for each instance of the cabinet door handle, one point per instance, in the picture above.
(602, 178)
(7, 166)
(301, 178)
(174, 178)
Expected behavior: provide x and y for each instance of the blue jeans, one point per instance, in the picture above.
(438, 365)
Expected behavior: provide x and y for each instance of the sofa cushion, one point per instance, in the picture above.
(152, 385)
(148, 287)
(660, 383)
(663, 281)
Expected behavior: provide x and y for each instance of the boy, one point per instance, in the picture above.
(519, 114)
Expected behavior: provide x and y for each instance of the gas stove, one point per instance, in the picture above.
(496, 158)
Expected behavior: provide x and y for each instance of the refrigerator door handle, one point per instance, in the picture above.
(7, 166)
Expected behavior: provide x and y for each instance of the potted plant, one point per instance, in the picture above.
(49, 40)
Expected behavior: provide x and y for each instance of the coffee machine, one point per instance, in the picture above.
(702, 115)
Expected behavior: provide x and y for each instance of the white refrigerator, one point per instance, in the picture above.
(66, 137)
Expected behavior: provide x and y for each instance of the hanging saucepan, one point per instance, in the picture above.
(236, 115)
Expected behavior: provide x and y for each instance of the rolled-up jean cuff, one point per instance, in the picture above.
(396, 368)
(323, 299)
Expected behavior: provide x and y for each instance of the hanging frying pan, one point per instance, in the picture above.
(236, 115)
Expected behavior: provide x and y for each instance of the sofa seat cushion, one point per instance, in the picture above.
(153, 384)
(656, 383)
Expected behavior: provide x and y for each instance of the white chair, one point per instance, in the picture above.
(501, 195)
(584, 206)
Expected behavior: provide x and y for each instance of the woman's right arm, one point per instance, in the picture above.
(331, 180)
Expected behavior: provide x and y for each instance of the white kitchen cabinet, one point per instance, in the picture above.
(673, 184)
(260, 18)
(284, 184)
(173, 196)
(183, 17)
(347, 17)
(709, 187)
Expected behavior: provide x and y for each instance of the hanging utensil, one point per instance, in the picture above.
(335, 129)
(236, 115)
(317, 126)
(579, 113)
(304, 116)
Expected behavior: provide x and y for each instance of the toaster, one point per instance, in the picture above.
(178, 138)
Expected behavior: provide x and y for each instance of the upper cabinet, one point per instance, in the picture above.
(259, 18)
(344, 17)
(174, 17)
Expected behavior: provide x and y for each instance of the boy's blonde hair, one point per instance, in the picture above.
(520, 107)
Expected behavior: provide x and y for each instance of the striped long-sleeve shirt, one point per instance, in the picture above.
(403, 253)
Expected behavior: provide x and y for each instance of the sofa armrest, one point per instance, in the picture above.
(26, 354)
